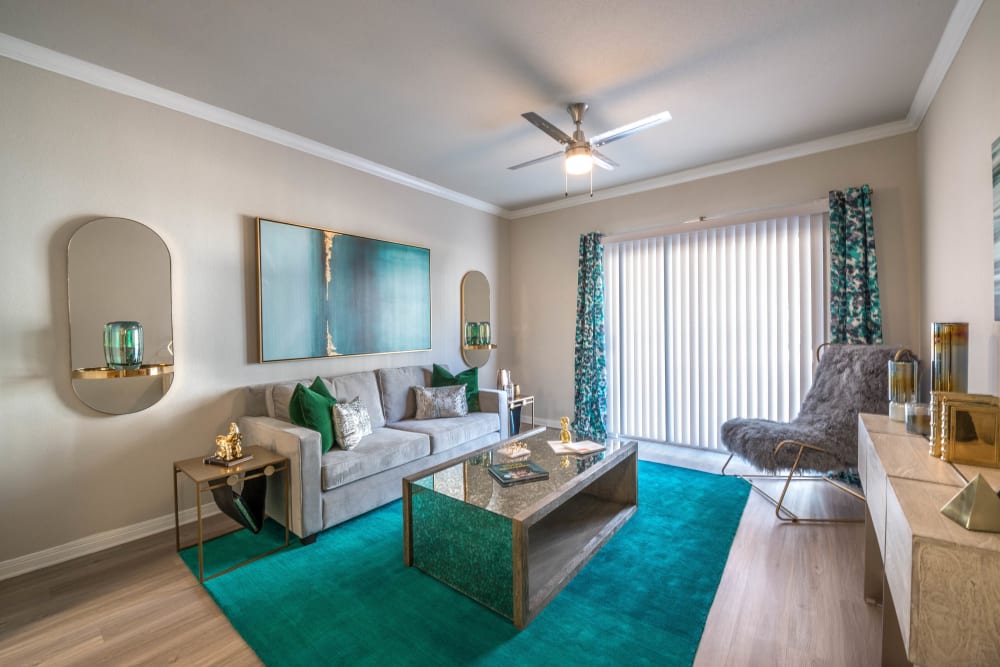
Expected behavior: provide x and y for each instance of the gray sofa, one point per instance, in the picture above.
(327, 489)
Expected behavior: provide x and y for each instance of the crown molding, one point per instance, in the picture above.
(102, 77)
(954, 34)
(99, 542)
(727, 166)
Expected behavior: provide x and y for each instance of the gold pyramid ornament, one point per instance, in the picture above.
(976, 507)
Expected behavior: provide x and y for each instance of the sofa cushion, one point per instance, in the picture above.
(360, 385)
(438, 402)
(384, 449)
(395, 385)
(279, 394)
(442, 377)
(352, 422)
(450, 431)
(310, 407)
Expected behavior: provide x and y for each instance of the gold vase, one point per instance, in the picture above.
(950, 356)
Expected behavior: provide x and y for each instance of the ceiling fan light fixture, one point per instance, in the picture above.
(579, 160)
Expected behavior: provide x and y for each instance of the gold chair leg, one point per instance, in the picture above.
(779, 507)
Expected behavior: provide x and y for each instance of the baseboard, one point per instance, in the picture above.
(98, 542)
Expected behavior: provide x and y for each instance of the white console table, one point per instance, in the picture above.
(939, 584)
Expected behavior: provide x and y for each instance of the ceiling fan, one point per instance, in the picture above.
(581, 153)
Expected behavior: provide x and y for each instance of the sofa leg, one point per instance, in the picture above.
(306, 541)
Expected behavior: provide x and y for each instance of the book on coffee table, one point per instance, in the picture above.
(581, 448)
(518, 473)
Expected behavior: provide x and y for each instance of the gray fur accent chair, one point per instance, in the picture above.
(824, 436)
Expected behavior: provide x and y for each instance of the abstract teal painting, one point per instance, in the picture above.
(326, 294)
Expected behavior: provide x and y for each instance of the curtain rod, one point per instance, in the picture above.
(722, 219)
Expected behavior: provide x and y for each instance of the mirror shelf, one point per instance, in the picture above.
(111, 373)
(476, 315)
(118, 272)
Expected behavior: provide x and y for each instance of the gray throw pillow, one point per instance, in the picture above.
(351, 422)
(436, 402)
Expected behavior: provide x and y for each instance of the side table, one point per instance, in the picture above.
(207, 477)
(514, 406)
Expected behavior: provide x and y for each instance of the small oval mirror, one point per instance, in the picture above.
(118, 272)
(476, 334)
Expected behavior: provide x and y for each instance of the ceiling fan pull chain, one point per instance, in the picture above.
(566, 176)
(591, 183)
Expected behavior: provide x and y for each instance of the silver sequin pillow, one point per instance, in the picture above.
(350, 423)
(436, 402)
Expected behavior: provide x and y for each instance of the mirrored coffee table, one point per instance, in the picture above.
(513, 548)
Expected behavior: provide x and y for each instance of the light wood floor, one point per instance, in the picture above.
(790, 595)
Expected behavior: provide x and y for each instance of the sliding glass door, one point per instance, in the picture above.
(711, 324)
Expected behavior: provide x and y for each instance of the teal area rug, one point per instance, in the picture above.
(348, 599)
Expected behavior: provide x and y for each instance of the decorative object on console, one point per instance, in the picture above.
(969, 428)
(903, 370)
(438, 402)
(442, 377)
(323, 293)
(351, 422)
(918, 418)
(950, 356)
(123, 345)
(975, 507)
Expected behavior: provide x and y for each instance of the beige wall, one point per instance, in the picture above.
(70, 153)
(954, 152)
(543, 248)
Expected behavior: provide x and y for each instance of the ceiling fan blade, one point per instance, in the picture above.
(631, 128)
(547, 127)
(602, 160)
(537, 160)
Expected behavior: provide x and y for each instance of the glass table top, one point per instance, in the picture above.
(470, 481)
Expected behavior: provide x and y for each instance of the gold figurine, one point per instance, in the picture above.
(229, 447)
(564, 435)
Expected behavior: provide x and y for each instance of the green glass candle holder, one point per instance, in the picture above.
(123, 345)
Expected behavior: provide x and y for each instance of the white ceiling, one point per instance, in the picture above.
(435, 88)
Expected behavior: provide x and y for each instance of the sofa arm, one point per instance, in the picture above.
(302, 448)
(494, 400)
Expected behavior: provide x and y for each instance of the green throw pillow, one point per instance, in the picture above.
(469, 377)
(310, 407)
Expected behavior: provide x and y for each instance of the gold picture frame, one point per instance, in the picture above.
(969, 428)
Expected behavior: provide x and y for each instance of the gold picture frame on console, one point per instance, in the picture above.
(969, 428)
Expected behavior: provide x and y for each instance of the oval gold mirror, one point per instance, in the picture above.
(476, 335)
(121, 334)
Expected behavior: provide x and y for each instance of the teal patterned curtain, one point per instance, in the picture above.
(855, 311)
(590, 394)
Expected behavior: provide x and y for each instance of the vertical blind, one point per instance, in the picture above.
(711, 324)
